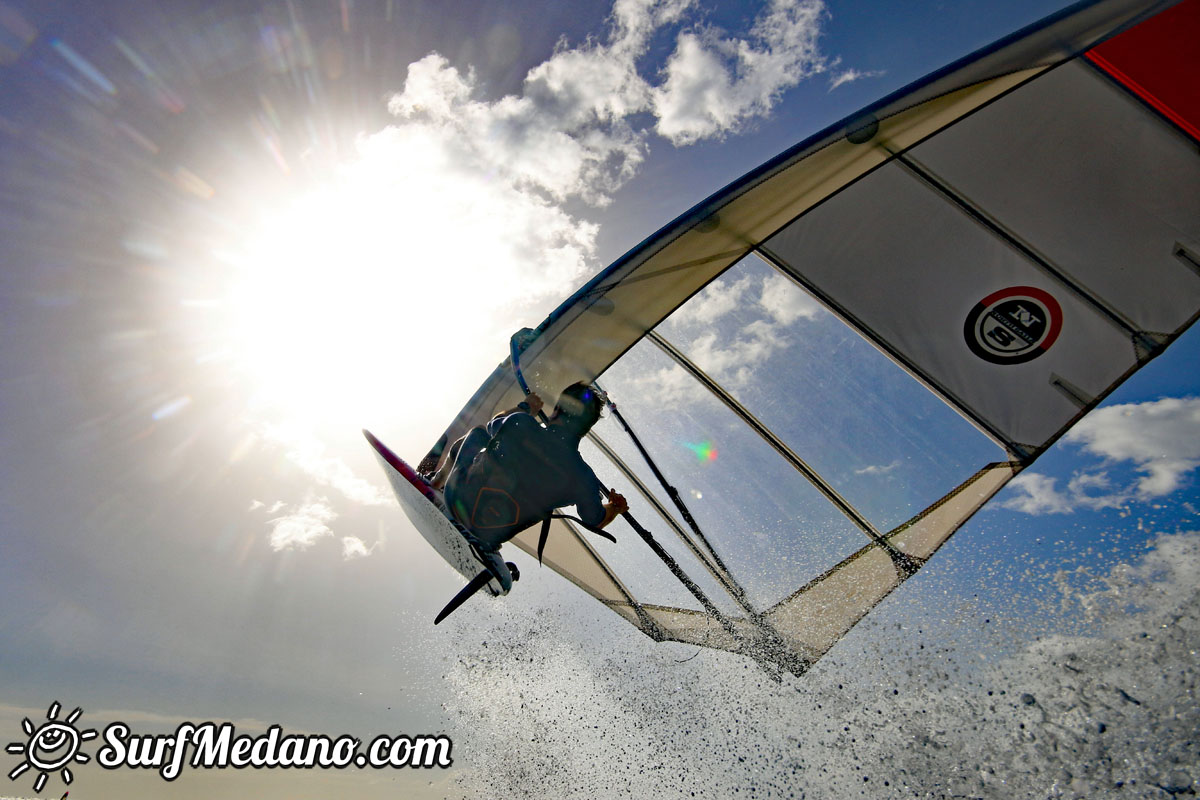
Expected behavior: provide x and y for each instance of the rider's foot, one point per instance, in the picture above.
(495, 565)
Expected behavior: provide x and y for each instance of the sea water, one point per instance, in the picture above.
(932, 696)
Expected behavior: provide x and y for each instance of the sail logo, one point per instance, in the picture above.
(1013, 325)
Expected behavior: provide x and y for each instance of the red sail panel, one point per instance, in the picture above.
(1159, 61)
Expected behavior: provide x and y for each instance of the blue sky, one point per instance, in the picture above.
(236, 234)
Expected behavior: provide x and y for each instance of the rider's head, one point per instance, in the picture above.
(579, 406)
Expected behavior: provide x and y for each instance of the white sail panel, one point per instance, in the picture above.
(995, 225)
(1099, 188)
(916, 293)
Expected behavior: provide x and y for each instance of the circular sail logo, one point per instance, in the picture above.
(1013, 325)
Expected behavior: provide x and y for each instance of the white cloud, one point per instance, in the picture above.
(666, 388)
(353, 547)
(733, 362)
(877, 469)
(1037, 495)
(301, 528)
(718, 299)
(732, 358)
(1095, 490)
(565, 136)
(697, 99)
(570, 134)
(308, 452)
(1161, 438)
(850, 75)
(713, 84)
(786, 302)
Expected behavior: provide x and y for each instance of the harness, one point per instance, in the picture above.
(487, 503)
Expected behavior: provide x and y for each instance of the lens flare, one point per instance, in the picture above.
(705, 451)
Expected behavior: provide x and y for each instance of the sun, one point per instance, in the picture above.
(52, 747)
(355, 297)
(375, 289)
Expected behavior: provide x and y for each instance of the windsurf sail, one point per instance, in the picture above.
(1003, 242)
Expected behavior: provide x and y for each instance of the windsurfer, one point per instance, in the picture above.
(501, 478)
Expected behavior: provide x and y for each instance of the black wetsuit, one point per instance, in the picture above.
(514, 473)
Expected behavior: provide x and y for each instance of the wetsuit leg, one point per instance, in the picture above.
(511, 444)
(468, 447)
(442, 476)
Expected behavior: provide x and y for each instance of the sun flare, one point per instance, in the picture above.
(353, 299)
(383, 291)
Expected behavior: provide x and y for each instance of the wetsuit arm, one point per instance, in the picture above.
(591, 510)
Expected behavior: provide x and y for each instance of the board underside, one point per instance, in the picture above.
(426, 517)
